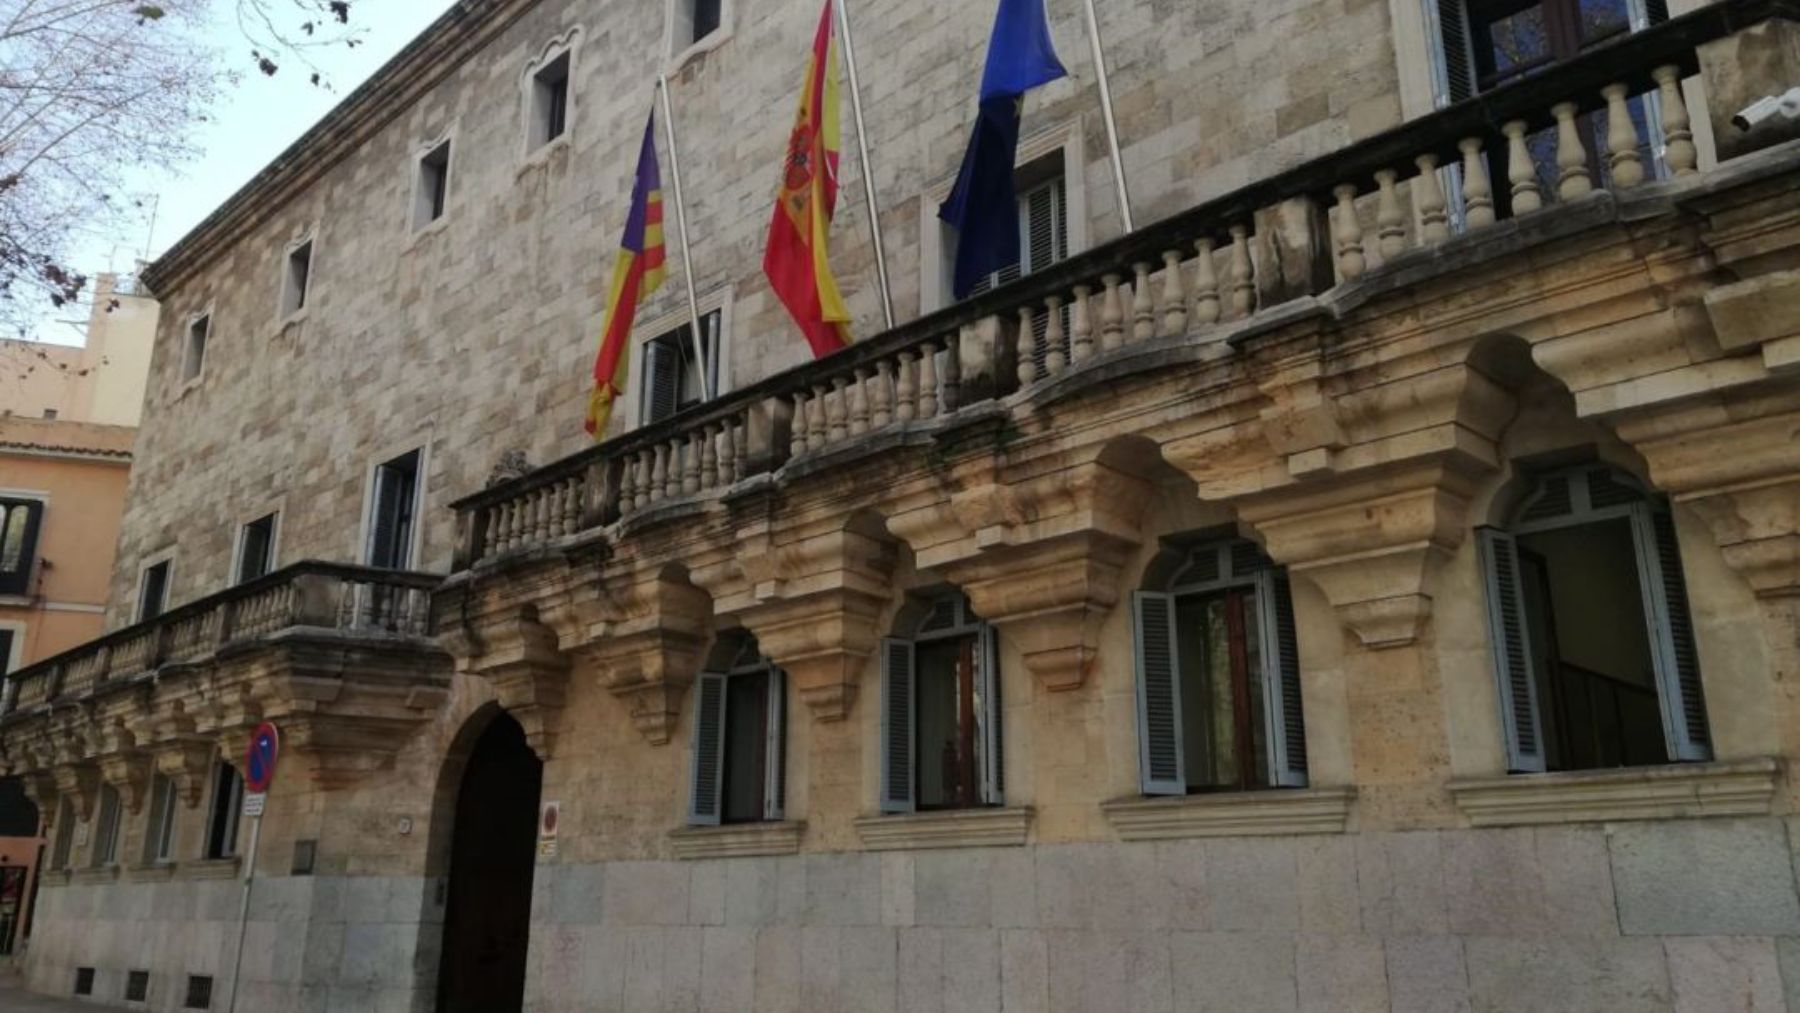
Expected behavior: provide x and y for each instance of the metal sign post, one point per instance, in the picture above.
(259, 773)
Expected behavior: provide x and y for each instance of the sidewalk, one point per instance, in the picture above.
(14, 999)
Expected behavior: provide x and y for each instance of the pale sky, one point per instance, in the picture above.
(254, 121)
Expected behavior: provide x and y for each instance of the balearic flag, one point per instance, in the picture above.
(637, 272)
(984, 206)
(797, 260)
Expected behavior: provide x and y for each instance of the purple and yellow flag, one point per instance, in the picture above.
(638, 272)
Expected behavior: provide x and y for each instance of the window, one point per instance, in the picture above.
(297, 279)
(1218, 674)
(550, 101)
(19, 521)
(433, 185)
(153, 591)
(50, 414)
(84, 981)
(222, 821)
(256, 548)
(392, 512)
(694, 20)
(165, 802)
(671, 376)
(193, 363)
(137, 986)
(1485, 44)
(940, 723)
(199, 992)
(1593, 644)
(106, 829)
(740, 737)
(63, 847)
(1043, 238)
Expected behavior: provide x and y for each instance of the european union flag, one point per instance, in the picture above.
(984, 206)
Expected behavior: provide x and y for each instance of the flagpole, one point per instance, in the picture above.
(708, 382)
(1112, 125)
(868, 173)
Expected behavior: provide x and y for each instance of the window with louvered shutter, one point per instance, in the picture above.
(993, 758)
(1043, 241)
(1158, 695)
(775, 788)
(1672, 628)
(393, 512)
(1456, 80)
(709, 751)
(662, 380)
(897, 719)
(1281, 675)
(1513, 659)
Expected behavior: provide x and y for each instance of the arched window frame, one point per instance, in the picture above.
(706, 789)
(1566, 498)
(942, 616)
(1211, 567)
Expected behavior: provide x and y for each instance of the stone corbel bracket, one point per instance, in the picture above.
(649, 651)
(168, 731)
(520, 657)
(814, 600)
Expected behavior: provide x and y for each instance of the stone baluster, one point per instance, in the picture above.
(647, 481)
(627, 486)
(1678, 136)
(659, 474)
(1243, 273)
(838, 421)
(1390, 222)
(928, 381)
(1081, 346)
(1143, 304)
(559, 500)
(546, 508)
(740, 449)
(1625, 167)
(859, 403)
(690, 467)
(906, 391)
(797, 440)
(1174, 294)
(709, 458)
(1434, 219)
(1572, 179)
(1206, 285)
(490, 535)
(881, 412)
(819, 419)
(1521, 171)
(1027, 347)
(1348, 233)
(950, 383)
(1112, 314)
(1055, 336)
(1478, 192)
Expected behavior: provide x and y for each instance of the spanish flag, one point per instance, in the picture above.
(797, 260)
(637, 272)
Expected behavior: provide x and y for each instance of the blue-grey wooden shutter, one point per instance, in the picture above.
(1281, 680)
(662, 381)
(1513, 658)
(1161, 761)
(1671, 629)
(897, 726)
(1447, 22)
(993, 744)
(775, 789)
(705, 799)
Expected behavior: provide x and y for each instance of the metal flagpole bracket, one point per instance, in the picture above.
(868, 171)
(1112, 124)
(708, 380)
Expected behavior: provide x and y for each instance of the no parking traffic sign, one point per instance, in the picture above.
(259, 759)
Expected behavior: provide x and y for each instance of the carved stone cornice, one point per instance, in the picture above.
(80, 784)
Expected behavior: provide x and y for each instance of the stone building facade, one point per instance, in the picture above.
(1369, 586)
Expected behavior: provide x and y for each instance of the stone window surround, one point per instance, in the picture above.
(569, 43)
(738, 840)
(678, 58)
(1668, 791)
(421, 442)
(164, 555)
(988, 826)
(644, 332)
(205, 313)
(417, 230)
(934, 261)
(15, 655)
(276, 507)
(1274, 811)
(308, 233)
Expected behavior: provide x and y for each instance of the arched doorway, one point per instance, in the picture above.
(487, 922)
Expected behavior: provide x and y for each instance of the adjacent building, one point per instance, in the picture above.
(1369, 584)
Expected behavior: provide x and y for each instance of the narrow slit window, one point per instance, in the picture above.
(153, 592)
(194, 361)
(159, 843)
(256, 549)
(433, 185)
(550, 101)
(297, 280)
(227, 800)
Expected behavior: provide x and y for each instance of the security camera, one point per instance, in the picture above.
(1767, 108)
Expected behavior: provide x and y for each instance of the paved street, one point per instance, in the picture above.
(14, 999)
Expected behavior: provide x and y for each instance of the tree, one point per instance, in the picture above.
(91, 90)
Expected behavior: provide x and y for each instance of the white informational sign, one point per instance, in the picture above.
(254, 802)
(549, 820)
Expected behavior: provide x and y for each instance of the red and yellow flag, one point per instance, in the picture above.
(797, 260)
(637, 272)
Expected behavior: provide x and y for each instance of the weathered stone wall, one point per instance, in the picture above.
(477, 336)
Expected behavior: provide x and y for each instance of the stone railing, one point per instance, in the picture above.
(1520, 150)
(306, 595)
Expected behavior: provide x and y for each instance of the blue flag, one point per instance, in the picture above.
(984, 206)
